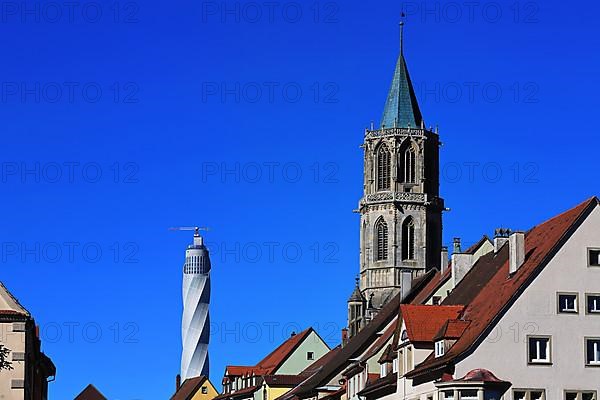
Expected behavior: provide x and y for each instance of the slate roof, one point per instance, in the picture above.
(90, 393)
(486, 302)
(401, 108)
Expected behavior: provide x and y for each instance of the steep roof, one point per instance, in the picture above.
(401, 108)
(339, 358)
(189, 388)
(423, 322)
(9, 305)
(491, 300)
(270, 364)
(90, 393)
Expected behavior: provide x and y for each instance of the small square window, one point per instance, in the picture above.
(18, 356)
(310, 355)
(592, 301)
(528, 394)
(536, 395)
(592, 352)
(448, 395)
(567, 303)
(18, 327)
(17, 384)
(594, 257)
(539, 349)
(571, 395)
(436, 300)
(588, 396)
(204, 390)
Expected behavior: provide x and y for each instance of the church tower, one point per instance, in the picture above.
(400, 211)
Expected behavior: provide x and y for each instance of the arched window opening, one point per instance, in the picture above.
(408, 240)
(381, 238)
(410, 165)
(383, 168)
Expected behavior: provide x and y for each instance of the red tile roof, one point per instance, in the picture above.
(495, 298)
(423, 322)
(269, 364)
(432, 286)
(238, 393)
(452, 329)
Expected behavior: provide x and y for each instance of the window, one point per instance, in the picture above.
(409, 165)
(395, 366)
(529, 394)
(447, 395)
(381, 246)
(310, 355)
(436, 300)
(18, 326)
(592, 301)
(592, 352)
(468, 394)
(567, 303)
(539, 349)
(204, 390)
(439, 348)
(580, 395)
(383, 370)
(17, 384)
(383, 168)
(408, 239)
(594, 257)
(18, 356)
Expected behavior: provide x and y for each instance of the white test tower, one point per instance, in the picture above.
(195, 322)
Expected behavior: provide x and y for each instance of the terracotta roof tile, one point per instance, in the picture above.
(189, 387)
(423, 322)
(496, 296)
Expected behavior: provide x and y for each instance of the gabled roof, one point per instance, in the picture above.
(189, 388)
(423, 322)
(488, 302)
(270, 364)
(9, 305)
(339, 358)
(90, 393)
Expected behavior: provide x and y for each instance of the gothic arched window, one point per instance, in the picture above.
(381, 240)
(408, 239)
(410, 165)
(383, 168)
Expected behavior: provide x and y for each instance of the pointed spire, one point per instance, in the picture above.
(401, 108)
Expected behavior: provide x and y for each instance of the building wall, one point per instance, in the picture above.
(535, 312)
(15, 341)
(212, 392)
(298, 361)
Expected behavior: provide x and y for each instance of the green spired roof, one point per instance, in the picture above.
(401, 108)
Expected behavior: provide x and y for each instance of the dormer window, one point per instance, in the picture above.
(439, 348)
(383, 372)
(395, 366)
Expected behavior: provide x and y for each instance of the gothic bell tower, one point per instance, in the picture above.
(400, 211)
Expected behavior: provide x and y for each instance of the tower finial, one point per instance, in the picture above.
(402, 15)
(357, 279)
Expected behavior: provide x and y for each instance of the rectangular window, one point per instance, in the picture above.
(437, 300)
(594, 257)
(529, 394)
(447, 395)
(310, 355)
(18, 327)
(204, 390)
(592, 352)
(17, 384)
(18, 356)
(469, 394)
(592, 301)
(567, 303)
(439, 348)
(539, 349)
(580, 395)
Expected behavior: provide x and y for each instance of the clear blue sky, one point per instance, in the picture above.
(121, 124)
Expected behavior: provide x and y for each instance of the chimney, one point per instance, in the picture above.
(444, 261)
(406, 276)
(461, 264)
(456, 243)
(177, 383)
(344, 336)
(516, 248)
(500, 238)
